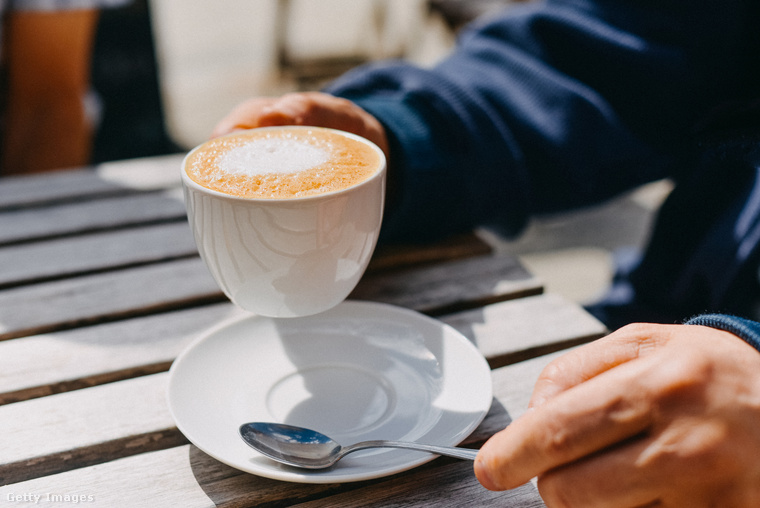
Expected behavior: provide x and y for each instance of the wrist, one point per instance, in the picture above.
(746, 329)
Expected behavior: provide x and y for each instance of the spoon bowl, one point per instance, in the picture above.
(306, 448)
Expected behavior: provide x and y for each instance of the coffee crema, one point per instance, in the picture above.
(281, 163)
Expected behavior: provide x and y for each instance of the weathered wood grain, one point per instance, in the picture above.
(85, 254)
(45, 364)
(63, 304)
(84, 427)
(59, 258)
(445, 486)
(450, 287)
(102, 289)
(44, 189)
(96, 419)
(108, 179)
(397, 256)
(87, 300)
(89, 216)
(516, 330)
(52, 363)
(185, 476)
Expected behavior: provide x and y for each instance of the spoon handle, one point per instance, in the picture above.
(448, 451)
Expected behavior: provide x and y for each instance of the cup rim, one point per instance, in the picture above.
(379, 173)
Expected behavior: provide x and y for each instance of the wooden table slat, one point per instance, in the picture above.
(103, 288)
(524, 328)
(45, 364)
(43, 189)
(450, 287)
(185, 476)
(81, 255)
(67, 303)
(84, 427)
(51, 363)
(134, 409)
(58, 258)
(56, 305)
(393, 257)
(82, 217)
(108, 179)
(444, 486)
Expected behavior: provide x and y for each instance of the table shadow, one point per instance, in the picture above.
(227, 486)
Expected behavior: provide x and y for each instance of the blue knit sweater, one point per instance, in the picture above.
(744, 328)
(566, 103)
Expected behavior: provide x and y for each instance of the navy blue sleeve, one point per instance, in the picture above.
(746, 329)
(554, 105)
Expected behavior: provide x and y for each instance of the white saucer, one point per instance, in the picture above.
(358, 371)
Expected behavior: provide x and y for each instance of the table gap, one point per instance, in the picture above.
(106, 269)
(534, 352)
(78, 198)
(93, 231)
(481, 302)
(129, 372)
(70, 385)
(91, 455)
(197, 301)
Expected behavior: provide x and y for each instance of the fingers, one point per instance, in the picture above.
(242, 116)
(262, 112)
(307, 108)
(609, 479)
(686, 459)
(586, 362)
(662, 420)
(610, 408)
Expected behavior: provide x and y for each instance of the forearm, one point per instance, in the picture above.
(549, 109)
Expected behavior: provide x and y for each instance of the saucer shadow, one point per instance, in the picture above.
(497, 419)
(227, 486)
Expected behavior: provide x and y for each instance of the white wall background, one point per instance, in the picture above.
(214, 54)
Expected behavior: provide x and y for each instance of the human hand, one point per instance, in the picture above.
(651, 415)
(304, 108)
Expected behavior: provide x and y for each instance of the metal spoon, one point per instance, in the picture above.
(300, 447)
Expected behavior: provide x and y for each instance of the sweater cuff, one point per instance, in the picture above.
(421, 183)
(745, 329)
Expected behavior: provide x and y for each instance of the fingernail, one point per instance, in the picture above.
(482, 473)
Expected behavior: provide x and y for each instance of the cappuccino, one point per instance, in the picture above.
(285, 218)
(282, 163)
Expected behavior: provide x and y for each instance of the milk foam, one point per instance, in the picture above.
(272, 155)
(282, 163)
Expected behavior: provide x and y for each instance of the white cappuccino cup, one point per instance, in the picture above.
(285, 218)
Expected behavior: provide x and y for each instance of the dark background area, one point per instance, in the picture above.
(124, 74)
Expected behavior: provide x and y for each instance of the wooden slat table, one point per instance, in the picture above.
(101, 288)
